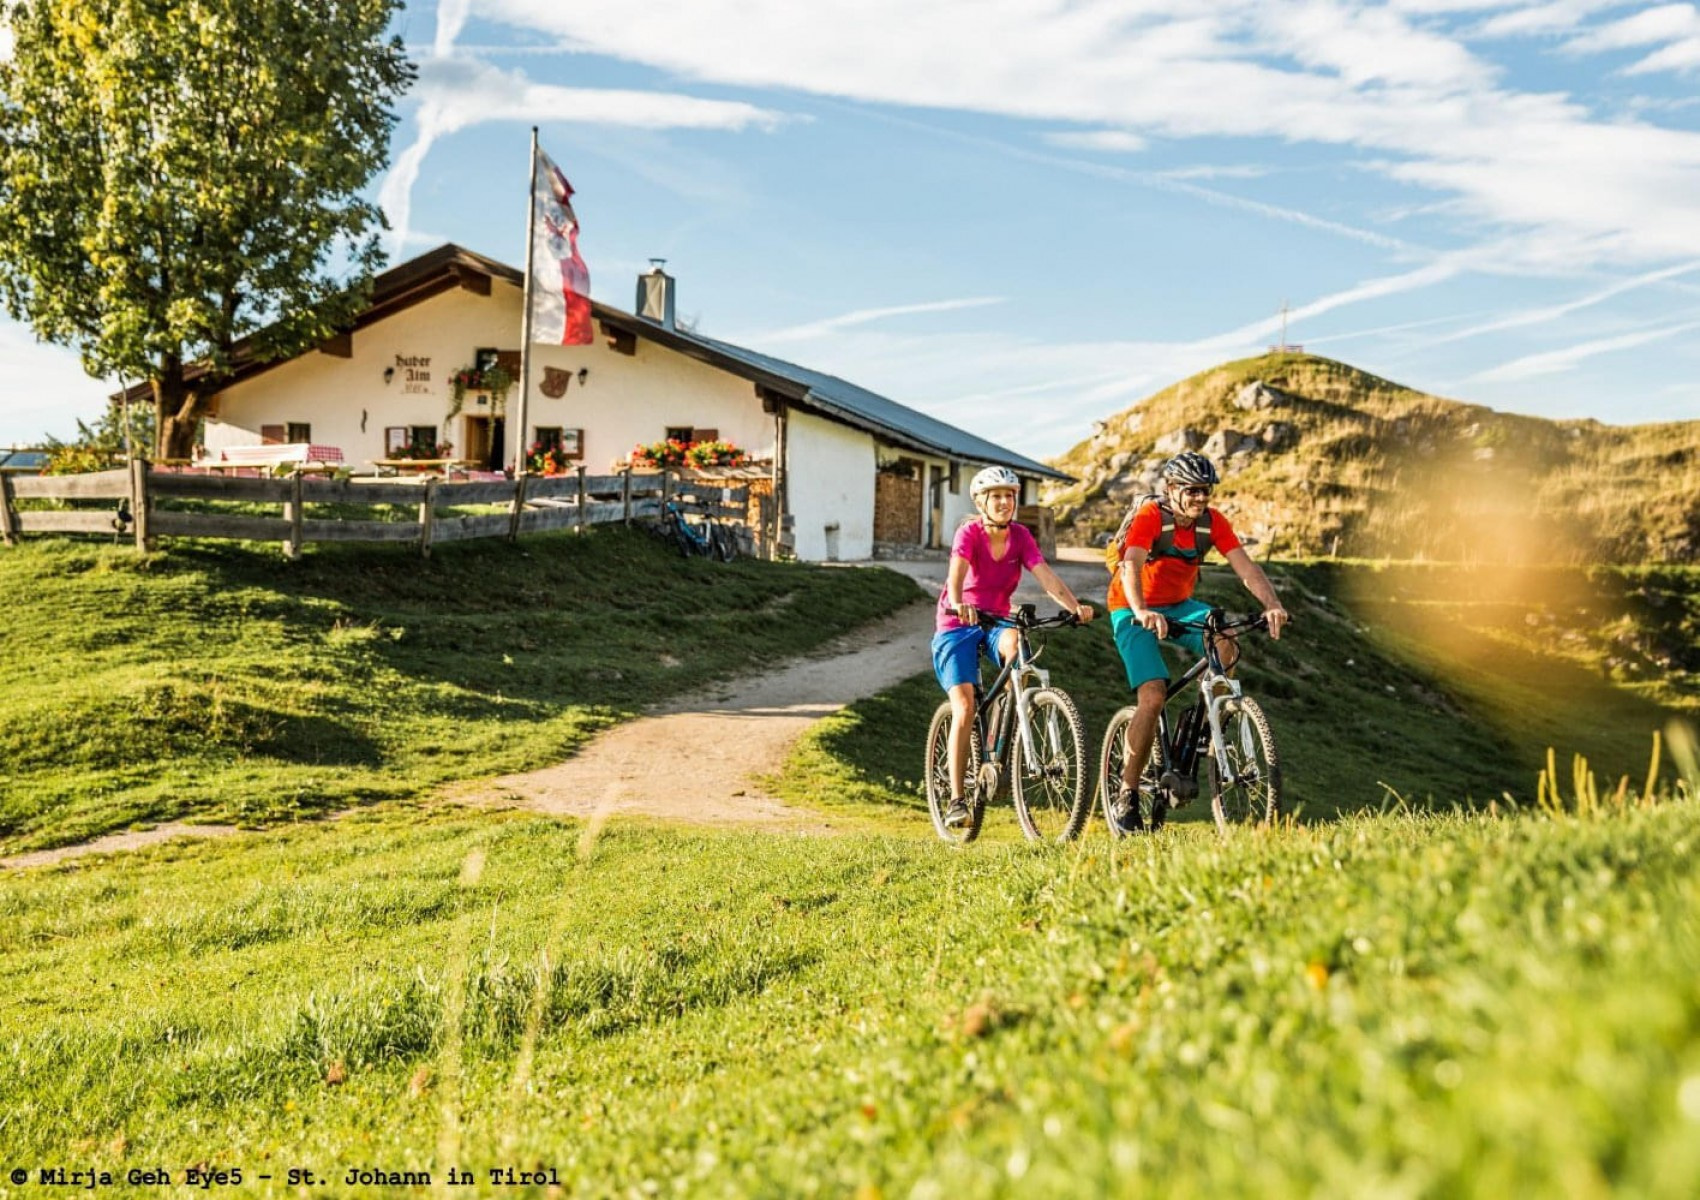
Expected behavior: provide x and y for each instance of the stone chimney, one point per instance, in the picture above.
(655, 294)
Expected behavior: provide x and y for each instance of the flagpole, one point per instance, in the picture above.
(518, 435)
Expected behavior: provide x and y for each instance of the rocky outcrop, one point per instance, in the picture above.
(1173, 443)
(1225, 443)
(1258, 395)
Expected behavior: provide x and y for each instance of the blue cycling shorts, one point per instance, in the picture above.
(1138, 647)
(956, 654)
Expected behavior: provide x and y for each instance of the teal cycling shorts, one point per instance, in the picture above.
(1138, 645)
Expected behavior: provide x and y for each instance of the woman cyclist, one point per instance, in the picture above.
(986, 561)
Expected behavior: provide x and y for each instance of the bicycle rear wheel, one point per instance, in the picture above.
(721, 543)
(938, 780)
(1051, 800)
(1246, 789)
(1150, 806)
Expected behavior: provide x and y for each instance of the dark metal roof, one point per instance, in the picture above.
(450, 266)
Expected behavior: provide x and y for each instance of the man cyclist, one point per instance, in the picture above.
(1166, 540)
(986, 560)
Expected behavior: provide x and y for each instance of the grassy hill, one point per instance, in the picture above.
(1338, 461)
(1444, 998)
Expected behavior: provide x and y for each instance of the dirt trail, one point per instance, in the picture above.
(699, 758)
(113, 842)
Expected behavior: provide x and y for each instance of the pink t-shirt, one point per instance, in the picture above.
(991, 581)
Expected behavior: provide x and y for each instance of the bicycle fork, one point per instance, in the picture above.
(1220, 691)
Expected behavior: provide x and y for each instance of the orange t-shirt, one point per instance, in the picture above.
(1171, 578)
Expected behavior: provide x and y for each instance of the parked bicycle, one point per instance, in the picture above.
(1027, 738)
(707, 537)
(1222, 728)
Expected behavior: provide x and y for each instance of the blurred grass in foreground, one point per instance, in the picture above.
(1457, 1005)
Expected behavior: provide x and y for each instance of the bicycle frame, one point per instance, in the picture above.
(1017, 676)
(675, 518)
(1216, 688)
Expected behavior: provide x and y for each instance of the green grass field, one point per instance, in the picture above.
(1428, 985)
(1402, 1005)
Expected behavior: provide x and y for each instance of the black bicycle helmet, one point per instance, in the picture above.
(1189, 468)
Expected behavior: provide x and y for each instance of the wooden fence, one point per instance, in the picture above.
(531, 504)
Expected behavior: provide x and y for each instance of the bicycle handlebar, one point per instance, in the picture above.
(1024, 617)
(1211, 623)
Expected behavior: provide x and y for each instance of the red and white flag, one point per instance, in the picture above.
(560, 285)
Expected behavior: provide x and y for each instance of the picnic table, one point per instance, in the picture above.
(278, 459)
(418, 466)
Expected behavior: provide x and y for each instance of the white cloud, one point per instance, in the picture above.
(451, 18)
(1648, 27)
(1113, 141)
(1540, 316)
(1339, 73)
(465, 92)
(1555, 362)
(457, 93)
(815, 329)
(1222, 172)
(1558, 17)
(1678, 56)
(1675, 25)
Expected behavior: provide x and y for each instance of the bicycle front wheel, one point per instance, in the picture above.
(1050, 784)
(1150, 807)
(1245, 789)
(938, 780)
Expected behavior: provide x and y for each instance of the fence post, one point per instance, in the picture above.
(764, 519)
(292, 514)
(579, 527)
(8, 523)
(626, 495)
(427, 514)
(519, 506)
(140, 502)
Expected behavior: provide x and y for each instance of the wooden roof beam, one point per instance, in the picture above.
(621, 341)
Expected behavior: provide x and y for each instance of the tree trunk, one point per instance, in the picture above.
(178, 409)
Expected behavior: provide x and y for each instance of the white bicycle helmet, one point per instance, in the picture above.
(994, 477)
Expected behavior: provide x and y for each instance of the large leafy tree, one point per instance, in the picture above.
(178, 175)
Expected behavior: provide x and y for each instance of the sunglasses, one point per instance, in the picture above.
(1196, 493)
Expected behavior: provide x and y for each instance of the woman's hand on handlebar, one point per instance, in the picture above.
(1083, 613)
(967, 613)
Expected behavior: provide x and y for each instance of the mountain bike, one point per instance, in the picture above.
(1222, 728)
(1027, 737)
(709, 539)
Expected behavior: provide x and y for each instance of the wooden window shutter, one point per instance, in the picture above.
(508, 360)
(272, 435)
(705, 435)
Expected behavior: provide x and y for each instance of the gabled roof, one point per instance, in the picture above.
(450, 266)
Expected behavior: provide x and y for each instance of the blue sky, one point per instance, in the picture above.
(1023, 215)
